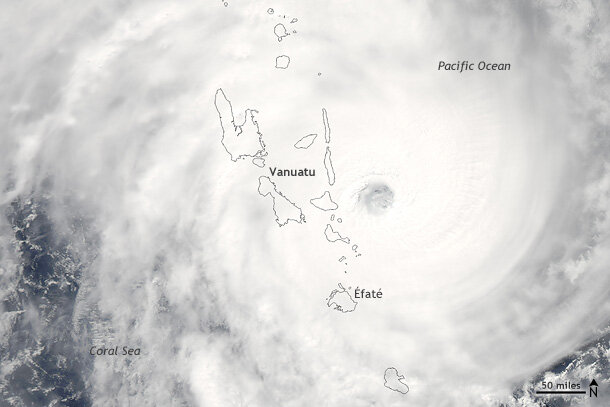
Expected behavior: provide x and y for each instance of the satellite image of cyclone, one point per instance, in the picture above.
(329, 203)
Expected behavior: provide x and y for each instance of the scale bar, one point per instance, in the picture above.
(561, 392)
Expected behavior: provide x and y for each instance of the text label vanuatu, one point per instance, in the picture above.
(305, 172)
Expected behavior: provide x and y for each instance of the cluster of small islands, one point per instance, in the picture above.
(244, 141)
(281, 32)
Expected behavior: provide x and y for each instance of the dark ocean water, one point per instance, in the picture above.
(42, 362)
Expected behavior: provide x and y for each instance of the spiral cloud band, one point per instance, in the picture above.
(447, 242)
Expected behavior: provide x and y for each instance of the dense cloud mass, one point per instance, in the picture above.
(126, 223)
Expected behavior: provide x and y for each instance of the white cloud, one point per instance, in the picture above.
(493, 258)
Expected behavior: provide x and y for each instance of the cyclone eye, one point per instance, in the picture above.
(376, 198)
